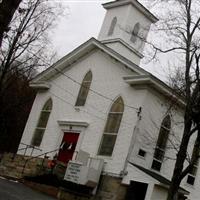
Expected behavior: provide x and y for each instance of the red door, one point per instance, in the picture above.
(67, 146)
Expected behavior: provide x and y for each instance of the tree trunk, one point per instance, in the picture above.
(7, 10)
(181, 157)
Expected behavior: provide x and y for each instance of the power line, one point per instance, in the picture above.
(166, 157)
(105, 120)
(89, 113)
(94, 91)
(96, 109)
(98, 93)
(75, 81)
(73, 106)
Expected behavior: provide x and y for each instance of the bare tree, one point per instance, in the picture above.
(25, 48)
(180, 28)
(7, 10)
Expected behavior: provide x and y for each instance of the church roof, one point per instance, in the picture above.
(81, 51)
(135, 3)
(155, 83)
(158, 177)
(142, 78)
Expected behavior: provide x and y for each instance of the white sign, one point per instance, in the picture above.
(73, 172)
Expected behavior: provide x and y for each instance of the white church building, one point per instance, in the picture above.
(97, 102)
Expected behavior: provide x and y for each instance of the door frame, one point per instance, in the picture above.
(78, 127)
(75, 150)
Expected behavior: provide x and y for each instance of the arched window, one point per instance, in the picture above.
(134, 34)
(161, 143)
(85, 87)
(42, 123)
(111, 128)
(112, 26)
(193, 172)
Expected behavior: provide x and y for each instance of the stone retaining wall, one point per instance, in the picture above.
(12, 166)
(109, 188)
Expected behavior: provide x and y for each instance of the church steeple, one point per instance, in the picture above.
(125, 27)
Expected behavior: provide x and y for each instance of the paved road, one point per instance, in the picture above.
(10, 190)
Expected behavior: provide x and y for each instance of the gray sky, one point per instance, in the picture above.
(83, 21)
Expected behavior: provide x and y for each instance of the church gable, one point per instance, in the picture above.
(81, 53)
(105, 72)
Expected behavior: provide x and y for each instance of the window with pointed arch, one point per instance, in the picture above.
(193, 172)
(134, 34)
(42, 123)
(112, 26)
(111, 128)
(161, 143)
(84, 89)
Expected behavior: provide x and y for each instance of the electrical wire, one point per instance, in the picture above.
(90, 105)
(94, 91)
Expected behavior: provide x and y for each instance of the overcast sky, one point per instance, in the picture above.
(83, 21)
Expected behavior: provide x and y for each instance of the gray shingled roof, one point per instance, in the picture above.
(158, 177)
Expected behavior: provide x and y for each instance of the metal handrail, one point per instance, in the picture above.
(30, 146)
(27, 146)
(27, 160)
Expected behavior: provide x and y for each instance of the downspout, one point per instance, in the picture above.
(124, 172)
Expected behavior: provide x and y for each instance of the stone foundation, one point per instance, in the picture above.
(49, 190)
(63, 195)
(109, 188)
(13, 166)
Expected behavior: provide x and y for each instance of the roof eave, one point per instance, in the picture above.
(140, 55)
(163, 182)
(136, 4)
(157, 85)
(180, 190)
(81, 51)
(67, 60)
(43, 85)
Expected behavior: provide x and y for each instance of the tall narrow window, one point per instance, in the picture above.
(42, 123)
(85, 87)
(134, 34)
(193, 172)
(111, 128)
(112, 26)
(161, 143)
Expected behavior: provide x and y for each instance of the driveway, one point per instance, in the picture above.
(10, 190)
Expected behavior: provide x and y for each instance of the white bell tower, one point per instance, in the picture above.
(125, 27)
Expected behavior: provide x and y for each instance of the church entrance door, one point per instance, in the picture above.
(67, 146)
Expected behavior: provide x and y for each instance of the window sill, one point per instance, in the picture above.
(141, 157)
(189, 185)
(156, 171)
(104, 157)
(77, 108)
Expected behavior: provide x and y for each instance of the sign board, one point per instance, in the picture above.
(79, 173)
(73, 172)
